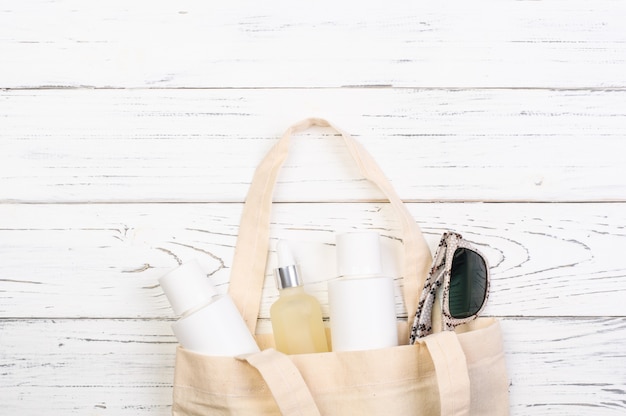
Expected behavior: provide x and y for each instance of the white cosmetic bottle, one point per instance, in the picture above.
(209, 323)
(361, 300)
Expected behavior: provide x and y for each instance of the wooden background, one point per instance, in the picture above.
(129, 132)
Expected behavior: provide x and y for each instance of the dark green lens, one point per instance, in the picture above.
(468, 283)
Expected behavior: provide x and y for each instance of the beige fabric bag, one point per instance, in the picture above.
(447, 373)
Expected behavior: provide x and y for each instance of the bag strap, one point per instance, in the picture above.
(294, 398)
(452, 375)
(249, 262)
(285, 382)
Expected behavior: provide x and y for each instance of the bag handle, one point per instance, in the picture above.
(294, 398)
(249, 262)
(285, 383)
(452, 374)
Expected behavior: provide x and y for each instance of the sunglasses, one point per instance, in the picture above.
(461, 274)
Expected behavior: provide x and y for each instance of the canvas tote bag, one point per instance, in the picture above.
(447, 373)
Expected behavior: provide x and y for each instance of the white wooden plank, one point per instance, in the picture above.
(251, 44)
(203, 145)
(95, 367)
(566, 366)
(556, 366)
(104, 260)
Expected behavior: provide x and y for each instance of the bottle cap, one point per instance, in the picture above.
(358, 254)
(187, 287)
(287, 273)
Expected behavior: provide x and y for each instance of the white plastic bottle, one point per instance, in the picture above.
(361, 300)
(209, 323)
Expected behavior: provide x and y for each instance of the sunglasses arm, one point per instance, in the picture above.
(437, 315)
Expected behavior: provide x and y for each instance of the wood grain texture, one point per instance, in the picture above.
(203, 145)
(129, 132)
(125, 367)
(280, 44)
(104, 260)
(94, 367)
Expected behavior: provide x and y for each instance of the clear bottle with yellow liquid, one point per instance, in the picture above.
(296, 316)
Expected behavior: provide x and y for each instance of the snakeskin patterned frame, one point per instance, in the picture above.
(440, 275)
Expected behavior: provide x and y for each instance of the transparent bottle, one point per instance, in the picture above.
(296, 316)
